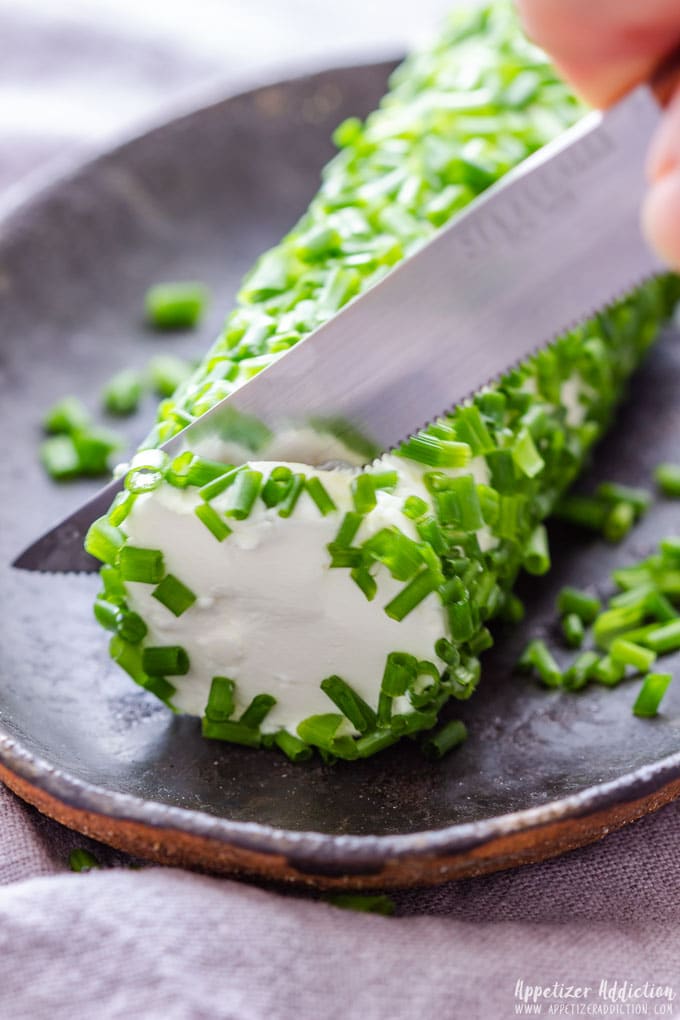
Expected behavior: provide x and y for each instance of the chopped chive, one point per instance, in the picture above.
(538, 658)
(578, 674)
(166, 373)
(220, 704)
(665, 638)
(364, 580)
(366, 904)
(651, 694)
(258, 709)
(293, 748)
(351, 523)
(471, 429)
(344, 556)
(670, 549)
(104, 541)
(414, 508)
(175, 305)
(213, 521)
(667, 477)
(214, 488)
(288, 504)
(232, 732)
(121, 507)
(461, 620)
(583, 511)
(536, 559)
(165, 660)
(277, 486)
(174, 595)
(608, 671)
(513, 610)
(189, 470)
(481, 641)
(391, 547)
(129, 658)
(372, 743)
(59, 457)
(438, 744)
(400, 670)
(114, 589)
(106, 614)
(459, 504)
(122, 393)
(130, 626)
(422, 585)
(573, 630)
(613, 492)
(318, 493)
(526, 456)
(67, 416)
(81, 860)
(630, 654)
(385, 480)
(143, 479)
(660, 607)
(351, 704)
(145, 565)
(431, 532)
(322, 731)
(585, 606)
(94, 447)
(243, 493)
(618, 522)
(447, 652)
(613, 622)
(363, 493)
(435, 452)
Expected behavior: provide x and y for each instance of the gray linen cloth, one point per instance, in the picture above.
(163, 943)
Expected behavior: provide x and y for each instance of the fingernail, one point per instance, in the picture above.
(664, 152)
(661, 217)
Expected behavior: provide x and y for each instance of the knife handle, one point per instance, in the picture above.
(666, 78)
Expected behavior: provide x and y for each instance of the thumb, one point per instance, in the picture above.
(661, 210)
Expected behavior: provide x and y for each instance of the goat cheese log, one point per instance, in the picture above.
(294, 605)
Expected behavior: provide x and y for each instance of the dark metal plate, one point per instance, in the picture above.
(542, 771)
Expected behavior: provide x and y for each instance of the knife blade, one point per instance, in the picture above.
(555, 241)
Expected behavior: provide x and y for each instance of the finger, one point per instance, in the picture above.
(661, 217)
(664, 153)
(604, 47)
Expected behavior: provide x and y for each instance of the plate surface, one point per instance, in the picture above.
(542, 771)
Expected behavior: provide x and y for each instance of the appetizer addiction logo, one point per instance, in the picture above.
(610, 998)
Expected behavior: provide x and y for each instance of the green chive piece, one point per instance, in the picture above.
(459, 504)
(94, 448)
(114, 589)
(438, 744)
(67, 416)
(174, 595)
(613, 492)
(665, 638)
(630, 654)
(213, 521)
(583, 511)
(288, 504)
(166, 373)
(537, 658)
(131, 627)
(400, 554)
(364, 580)
(608, 671)
(385, 480)
(231, 732)
(470, 429)
(129, 657)
(660, 607)
(363, 493)
(526, 456)
(585, 606)
(277, 486)
(513, 610)
(461, 620)
(215, 487)
(667, 477)
(104, 541)
(651, 694)
(573, 630)
(175, 305)
(414, 508)
(536, 559)
(422, 585)
(578, 674)
(366, 904)
(435, 452)
(106, 614)
(59, 457)
(293, 748)
(343, 556)
(318, 493)
(351, 704)
(258, 709)
(372, 743)
(82, 860)
(243, 493)
(122, 393)
(188, 469)
(165, 660)
(145, 565)
(400, 670)
(351, 523)
(613, 622)
(322, 731)
(618, 522)
(221, 699)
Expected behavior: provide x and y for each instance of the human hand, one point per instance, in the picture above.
(604, 48)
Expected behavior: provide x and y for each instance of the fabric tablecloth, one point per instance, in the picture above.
(596, 932)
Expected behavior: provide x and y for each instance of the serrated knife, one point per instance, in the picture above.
(555, 241)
